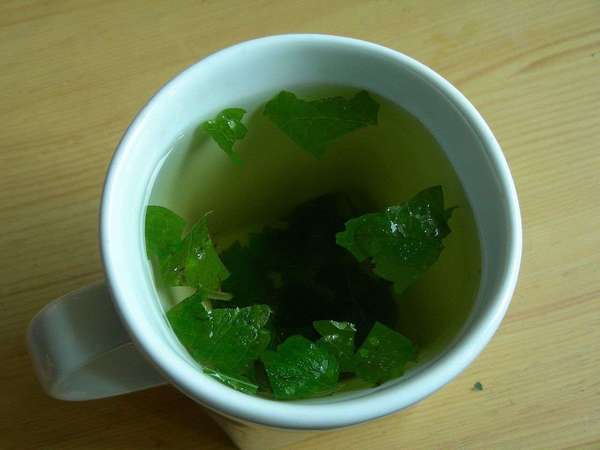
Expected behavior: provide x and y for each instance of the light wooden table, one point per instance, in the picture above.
(74, 73)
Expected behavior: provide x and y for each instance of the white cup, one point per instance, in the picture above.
(86, 346)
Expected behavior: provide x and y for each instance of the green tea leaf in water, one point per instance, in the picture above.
(251, 280)
(163, 231)
(298, 270)
(383, 355)
(195, 262)
(314, 124)
(338, 339)
(353, 384)
(403, 241)
(300, 369)
(226, 129)
(240, 383)
(226, 340)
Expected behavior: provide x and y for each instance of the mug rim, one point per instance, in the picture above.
(342, 412)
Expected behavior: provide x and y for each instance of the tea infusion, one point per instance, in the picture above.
(324, 255)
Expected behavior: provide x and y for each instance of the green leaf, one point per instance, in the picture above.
(219, 295)
(238, 383)
(249, 281)
(338, 339)
(227, 128)
(314, 124)
(304, 276)
(383, 355)
(300, 369)
(195, 262)
(227, 340)
(163, 231)
(353, 384)
(403, 241)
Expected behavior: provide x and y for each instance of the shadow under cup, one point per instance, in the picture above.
(452, 313)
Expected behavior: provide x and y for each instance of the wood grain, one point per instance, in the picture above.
(74, 73)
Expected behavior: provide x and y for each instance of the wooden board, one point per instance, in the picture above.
(74, 73)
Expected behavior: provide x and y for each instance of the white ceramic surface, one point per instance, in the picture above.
(69, 344)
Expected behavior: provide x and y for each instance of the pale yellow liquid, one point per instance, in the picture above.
(378, 166)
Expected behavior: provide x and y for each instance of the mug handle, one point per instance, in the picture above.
(81, 351)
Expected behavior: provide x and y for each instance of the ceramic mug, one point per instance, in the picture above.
(112, 337)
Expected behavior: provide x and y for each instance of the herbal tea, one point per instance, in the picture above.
(327, 244)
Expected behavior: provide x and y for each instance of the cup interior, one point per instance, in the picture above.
(254, 70)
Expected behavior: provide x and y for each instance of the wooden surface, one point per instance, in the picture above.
(74, 73)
